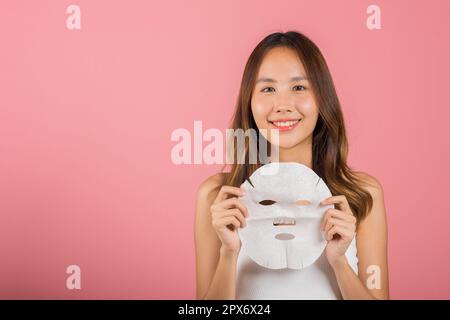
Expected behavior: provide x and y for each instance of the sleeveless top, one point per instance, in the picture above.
(315, 282)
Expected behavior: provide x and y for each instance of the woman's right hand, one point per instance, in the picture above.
(228, 214)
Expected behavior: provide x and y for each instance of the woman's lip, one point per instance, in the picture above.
(285, 128)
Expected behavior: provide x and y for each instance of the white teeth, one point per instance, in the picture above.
(285, 123)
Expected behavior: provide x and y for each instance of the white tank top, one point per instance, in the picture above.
(316, 282)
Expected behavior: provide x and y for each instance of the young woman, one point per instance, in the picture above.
(287, 85)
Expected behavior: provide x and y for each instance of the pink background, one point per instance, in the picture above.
(86, 116)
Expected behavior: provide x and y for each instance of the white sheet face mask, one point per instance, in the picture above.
(283, 227)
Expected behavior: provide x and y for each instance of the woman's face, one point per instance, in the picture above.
(283, 98)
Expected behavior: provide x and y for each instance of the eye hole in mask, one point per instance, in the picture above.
(303, 202)
(267, 202)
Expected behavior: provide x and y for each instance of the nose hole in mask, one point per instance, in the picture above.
(267, 202)
(284, 236)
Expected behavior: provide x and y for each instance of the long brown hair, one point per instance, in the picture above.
(329, 147)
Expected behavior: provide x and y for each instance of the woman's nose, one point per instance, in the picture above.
(284, 102)
(284, 107)
(283, 110)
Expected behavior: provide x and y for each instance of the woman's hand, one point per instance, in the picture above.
(339, 226)
(228, 214)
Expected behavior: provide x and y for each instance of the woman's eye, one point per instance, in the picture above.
(301, 88)
(264, 90)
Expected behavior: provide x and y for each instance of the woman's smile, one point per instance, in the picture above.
(285, 124)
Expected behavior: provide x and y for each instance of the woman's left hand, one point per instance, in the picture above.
(339, 226)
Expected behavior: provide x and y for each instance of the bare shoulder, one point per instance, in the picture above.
(370, 184)
(209, 187)
(376, 218)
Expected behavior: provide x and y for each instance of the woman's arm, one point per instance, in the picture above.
(371, 240)
(215, 267)
(223, 284)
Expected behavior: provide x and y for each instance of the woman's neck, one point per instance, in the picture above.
(301, 153)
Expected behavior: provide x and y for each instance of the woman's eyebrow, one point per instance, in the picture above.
(293, 79)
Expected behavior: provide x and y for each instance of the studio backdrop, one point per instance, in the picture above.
(92, 92)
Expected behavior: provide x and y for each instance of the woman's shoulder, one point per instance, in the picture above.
(370, 183)
(211, 185)
(375, 222)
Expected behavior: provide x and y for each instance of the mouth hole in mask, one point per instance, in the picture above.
(267, 202)
(284, 236)
(284, 221)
